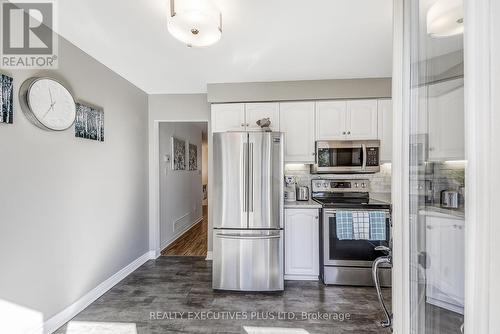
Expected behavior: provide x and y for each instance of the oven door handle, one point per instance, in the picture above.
(364, 156)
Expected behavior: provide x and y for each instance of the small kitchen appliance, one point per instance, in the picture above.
(449, 199)
(343, 156)
(290, 191)
(302, 193)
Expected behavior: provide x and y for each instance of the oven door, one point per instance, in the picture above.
(350, 253)
(347, 157)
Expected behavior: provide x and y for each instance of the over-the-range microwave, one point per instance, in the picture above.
(342, 156)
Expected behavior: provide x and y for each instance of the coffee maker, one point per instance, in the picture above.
(290, 189)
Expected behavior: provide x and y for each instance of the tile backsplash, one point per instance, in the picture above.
(380, 183)
(442, 175)
(446, 176)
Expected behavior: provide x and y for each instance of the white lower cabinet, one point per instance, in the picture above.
(445, 273)
(301, 244)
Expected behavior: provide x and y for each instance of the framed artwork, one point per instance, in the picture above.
(6, 99)
(89, 122)
(179, 154)
(193, 157)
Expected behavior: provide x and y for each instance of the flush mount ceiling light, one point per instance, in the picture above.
(197, 23)
(445, 18)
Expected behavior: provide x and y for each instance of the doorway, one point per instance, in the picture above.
(183, 188)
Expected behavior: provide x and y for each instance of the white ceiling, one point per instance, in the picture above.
(263, 40)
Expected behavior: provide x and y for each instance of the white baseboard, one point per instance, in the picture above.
(180, 234)
(301, 278)
(209, 256)
(154, 254)
(52, 324)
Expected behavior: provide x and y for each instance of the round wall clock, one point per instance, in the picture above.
(47, 104)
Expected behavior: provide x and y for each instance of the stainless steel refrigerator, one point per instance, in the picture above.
(248, 211)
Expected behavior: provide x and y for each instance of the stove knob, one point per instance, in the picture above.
(325, 185)
(363, 185)
(356, 185)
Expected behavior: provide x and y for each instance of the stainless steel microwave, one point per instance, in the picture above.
(341, 156)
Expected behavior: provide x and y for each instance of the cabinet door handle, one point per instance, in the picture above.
(243, 124)
(348, 132)
(343, 133)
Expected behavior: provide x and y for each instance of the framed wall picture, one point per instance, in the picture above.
(6, 99)
(89, 122)
(193, 157)
(179, 154)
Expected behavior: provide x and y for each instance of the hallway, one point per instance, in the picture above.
(193, 242)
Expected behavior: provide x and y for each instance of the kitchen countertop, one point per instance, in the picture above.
(439, 211)
(310, 204)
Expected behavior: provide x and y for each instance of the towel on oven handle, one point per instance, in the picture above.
(361, 225)
(377, 226)
(343, 221)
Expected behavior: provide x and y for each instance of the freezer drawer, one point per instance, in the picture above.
(248, 260)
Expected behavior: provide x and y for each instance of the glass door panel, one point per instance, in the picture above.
(437, 166)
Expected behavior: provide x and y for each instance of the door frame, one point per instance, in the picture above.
(400, 170)
(482, 96)
(154, 180)
(482, 102)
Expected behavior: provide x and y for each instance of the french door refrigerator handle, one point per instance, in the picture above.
(250, 177)
(245, 177)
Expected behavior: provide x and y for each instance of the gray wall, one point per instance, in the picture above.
(362, 88)
(170, 107)
(73, 211)
(181, 191)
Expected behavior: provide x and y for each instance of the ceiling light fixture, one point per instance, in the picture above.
(197, 23)
(445, 18)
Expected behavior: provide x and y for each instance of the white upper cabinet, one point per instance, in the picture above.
(346, 120)
(297, 122)
(257, 111)
(228, 117)
(385, 129)
(301, 244)
(362, 119)
(331, 119)
(446, 125)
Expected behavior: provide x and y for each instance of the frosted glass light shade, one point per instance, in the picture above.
(445, 18)
(197, 23)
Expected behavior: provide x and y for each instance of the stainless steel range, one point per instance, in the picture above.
(347, 255)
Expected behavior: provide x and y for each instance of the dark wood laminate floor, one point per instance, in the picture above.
(183, 284)
(193, 242)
